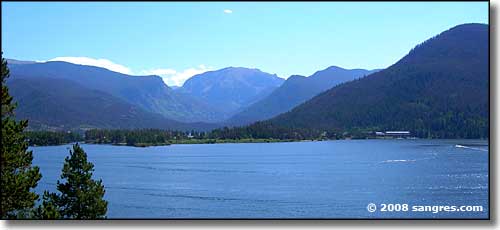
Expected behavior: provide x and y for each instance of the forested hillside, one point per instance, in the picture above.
(438, 90)
(294, 91)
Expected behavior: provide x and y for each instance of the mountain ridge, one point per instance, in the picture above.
(148, 92)
(294, 91)
(39, 101)
(439, 89)
(231, 88)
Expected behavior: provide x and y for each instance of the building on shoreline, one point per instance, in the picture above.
(393, 134)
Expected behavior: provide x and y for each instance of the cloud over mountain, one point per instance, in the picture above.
(99, 62)
(170, 76)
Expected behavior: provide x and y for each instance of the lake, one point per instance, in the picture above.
(326, 179)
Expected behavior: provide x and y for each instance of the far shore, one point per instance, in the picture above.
(235, 141)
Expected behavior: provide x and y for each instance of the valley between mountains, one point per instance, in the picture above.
(439, 89)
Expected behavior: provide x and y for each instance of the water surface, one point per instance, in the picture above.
(329, 179)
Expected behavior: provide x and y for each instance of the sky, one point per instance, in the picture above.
(177, 40)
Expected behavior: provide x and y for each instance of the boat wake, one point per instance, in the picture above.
(394, 161)
(410, 160)
(467, 147)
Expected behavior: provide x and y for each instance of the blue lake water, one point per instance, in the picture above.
(328, 179)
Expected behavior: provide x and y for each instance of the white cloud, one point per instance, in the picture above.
(160, 72)
(172, 77)
(227, 11)
(104, 63)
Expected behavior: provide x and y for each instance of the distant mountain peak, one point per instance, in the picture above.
(296, 76)
(329, 70)
(244, 69)
(238, 68)
(467, 26)
(231, 88)
(147, 92)
(334, 67)
(295, 90)
(20, 62)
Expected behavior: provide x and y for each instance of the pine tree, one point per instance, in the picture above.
(18, 177)
(80, 196)
(48, 208)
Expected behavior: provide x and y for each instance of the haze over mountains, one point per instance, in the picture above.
(146, 102)
(146, 92)
(440, 87)
(235, 87)
(231, 88)
(60, 104)
(294, 91)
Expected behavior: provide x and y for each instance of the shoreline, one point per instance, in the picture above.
(242, 141)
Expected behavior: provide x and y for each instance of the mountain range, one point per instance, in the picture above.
(59, 104)
(440, 89)
(146, 92)
(206, 100)
(42, 92)
(294, 91)
(232, 88)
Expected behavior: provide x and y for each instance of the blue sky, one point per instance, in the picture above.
(176, 40)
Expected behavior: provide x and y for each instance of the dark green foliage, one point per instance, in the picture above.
(79, 197)
(294, 91)
(51, 138)
(439, 90)
(139, 136)
(60, 104)
(264, 130)
(47, 209)
(18, 176)
(146, 93)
